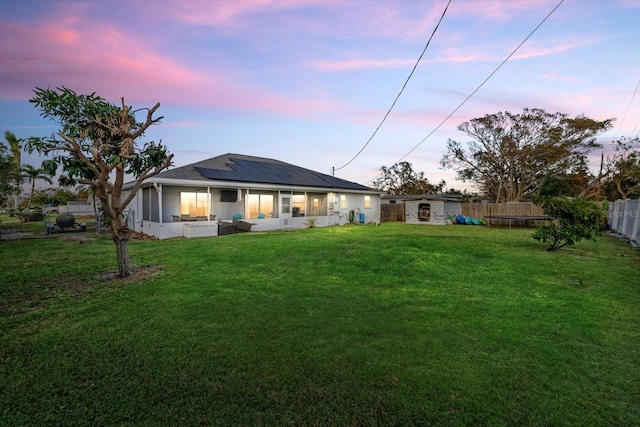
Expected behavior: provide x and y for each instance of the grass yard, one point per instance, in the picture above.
(353, 325)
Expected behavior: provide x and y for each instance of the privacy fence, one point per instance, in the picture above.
(624, 218)
(624, 215)
(395, 212)
(512, 209)
(392, 212)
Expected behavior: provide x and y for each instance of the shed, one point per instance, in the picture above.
(431, 210)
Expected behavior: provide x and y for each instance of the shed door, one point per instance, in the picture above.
(424, 212)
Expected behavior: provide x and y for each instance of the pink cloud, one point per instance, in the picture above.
(527, 51)
(498, 9)
(629, 4)
(533, 50)
(559, 77)
(89, 56)
(332, 66)
(338, 19)
(454, 55)
(224, 13)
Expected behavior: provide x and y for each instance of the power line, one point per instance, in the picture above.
(626, 112)
(485, 81)
(480, 86)
(400, 93)
(634, 128)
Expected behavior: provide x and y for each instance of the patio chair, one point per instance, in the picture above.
(244, 226)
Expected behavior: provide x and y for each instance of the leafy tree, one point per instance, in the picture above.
(401, 179)
(9, 175)
(465, 196)
(622, 171)
(98, 145)
(32, 174)
(53, 196)
(510, 154)
(87, 191)
(15, 145)
(553, 186)
(574, 219)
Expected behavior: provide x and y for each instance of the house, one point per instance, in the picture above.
(197, 199)
(426, 209)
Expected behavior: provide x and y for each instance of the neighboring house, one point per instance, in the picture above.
(191, 200)
(427, 209)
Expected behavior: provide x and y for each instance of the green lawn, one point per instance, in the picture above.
(353, 325)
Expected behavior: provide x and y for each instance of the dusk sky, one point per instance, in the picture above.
(308, 82)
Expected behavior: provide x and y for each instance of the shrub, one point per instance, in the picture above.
(311, 222)
(25, 216)
(573, 220)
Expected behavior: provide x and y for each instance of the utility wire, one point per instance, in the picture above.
(478, 88)
(626, 112)
(400, 93)
(634, 128)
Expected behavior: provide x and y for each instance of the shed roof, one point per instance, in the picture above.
(250, 169)
(439, 197)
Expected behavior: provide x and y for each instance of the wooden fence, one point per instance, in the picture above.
(392, 212)
(395, 212)
(524, 209)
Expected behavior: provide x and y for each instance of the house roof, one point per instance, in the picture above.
(249, 169)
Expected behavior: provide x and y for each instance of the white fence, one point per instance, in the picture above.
(76, 208)
(624, 218)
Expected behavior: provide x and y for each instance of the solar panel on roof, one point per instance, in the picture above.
(276, 173)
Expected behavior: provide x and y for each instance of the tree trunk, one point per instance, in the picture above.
(622, 193)
(120, 235)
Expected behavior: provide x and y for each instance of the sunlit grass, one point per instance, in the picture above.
(353, 325)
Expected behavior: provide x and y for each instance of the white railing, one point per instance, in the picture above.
(624, 218)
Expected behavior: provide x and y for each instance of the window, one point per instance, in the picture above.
(367, 202)
(193, 204)
(258, 206)
(229, 196)
(343, 201)
(146, 204)
(317, 204)
(299, 203)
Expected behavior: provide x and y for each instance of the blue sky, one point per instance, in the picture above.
(308, 82)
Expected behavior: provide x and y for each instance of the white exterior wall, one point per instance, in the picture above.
(437, 212)
(452, 208)
(440, 210)
(356, 203)
(169, 204)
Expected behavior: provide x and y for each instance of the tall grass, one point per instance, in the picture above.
(353, 325)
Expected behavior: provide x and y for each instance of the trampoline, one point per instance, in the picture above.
(529, 218)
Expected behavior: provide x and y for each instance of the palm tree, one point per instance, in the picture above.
(32, 174)
(15, 144)
(92, 189)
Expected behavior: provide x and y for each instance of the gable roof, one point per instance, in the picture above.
(249, 169)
